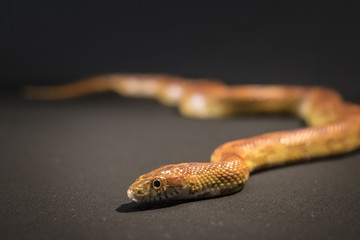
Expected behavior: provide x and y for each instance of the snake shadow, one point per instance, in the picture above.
(140, 207)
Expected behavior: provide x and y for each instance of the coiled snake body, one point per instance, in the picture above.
(333, 128)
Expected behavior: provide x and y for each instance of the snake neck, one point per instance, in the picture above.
(217, 178)
(286, 147)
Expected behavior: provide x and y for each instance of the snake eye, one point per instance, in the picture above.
(156, 183)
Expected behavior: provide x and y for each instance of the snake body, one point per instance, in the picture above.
(333, 128)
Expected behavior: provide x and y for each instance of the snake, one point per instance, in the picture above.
(332, 128)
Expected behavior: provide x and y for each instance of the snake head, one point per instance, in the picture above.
(162, 184)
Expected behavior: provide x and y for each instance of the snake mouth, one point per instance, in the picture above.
(130, 195)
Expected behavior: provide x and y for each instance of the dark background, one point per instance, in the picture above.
(65, 166)
(254, 42)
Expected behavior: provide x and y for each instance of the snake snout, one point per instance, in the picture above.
(132, 195)
(136, 194)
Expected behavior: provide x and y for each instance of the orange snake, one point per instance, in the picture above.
(334, 128)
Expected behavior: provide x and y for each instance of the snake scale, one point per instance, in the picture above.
(333, 128)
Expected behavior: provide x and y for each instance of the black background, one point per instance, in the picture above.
(253, 42)
(66, 166)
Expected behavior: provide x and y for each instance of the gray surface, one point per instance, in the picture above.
(65, 168)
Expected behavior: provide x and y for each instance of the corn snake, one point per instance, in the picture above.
(333, 128)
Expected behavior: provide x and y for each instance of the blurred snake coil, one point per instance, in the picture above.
(333, 128)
